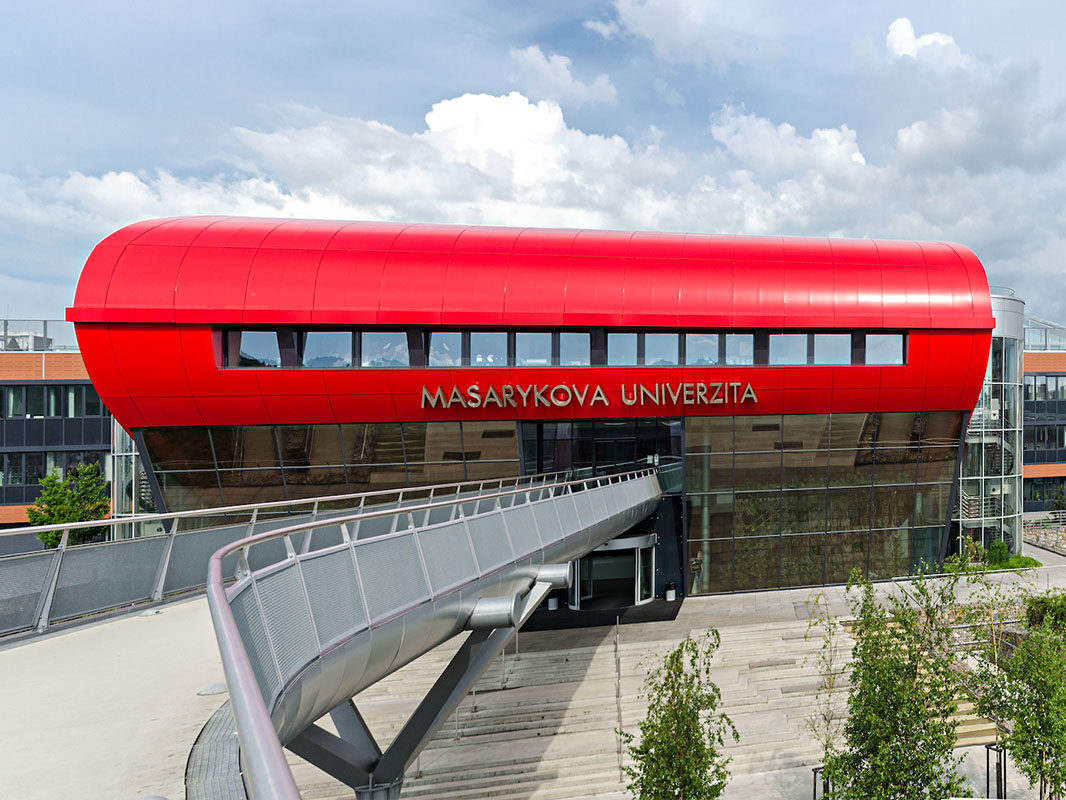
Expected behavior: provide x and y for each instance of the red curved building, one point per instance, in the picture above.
(817, 389)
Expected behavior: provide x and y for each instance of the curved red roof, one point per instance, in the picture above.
(230, 270)
(154, 296)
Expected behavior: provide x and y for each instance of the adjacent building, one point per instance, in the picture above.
(1044, 436)
(51, 417)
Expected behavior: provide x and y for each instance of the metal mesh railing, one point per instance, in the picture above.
(39, 589)
(277, 620)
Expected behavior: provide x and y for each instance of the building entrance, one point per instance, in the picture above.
(618, 574)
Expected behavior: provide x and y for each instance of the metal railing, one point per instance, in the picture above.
(37, 335)
(290, 631)
(41, 588)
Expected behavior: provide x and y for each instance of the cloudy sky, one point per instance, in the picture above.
(912, 120)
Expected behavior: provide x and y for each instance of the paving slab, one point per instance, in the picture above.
(109, 710)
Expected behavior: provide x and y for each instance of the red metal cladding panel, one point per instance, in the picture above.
(242, 232)
(543, 241)
(651, 295)
(808, 294)
(147, 293)
(152, 362)
(854, 251)
(706, 247)
(705, 293)
(177, 231)
(302, 409)
(536, 289)
(591, 300)
(644, 244)
(178, 411)
(125, 410)
(412, 289)
(758, 292)
(484, 239)
(205, 293)
(859, 294)
(281, 286)
(232, 410)
(346, 291)
(475, 283)
(299, 234)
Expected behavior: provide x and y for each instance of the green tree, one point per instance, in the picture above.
(898, 740)
(679, 755)
(80, 497)
(1029, 691)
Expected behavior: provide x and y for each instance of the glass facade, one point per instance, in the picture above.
(801, 500)
(769, 501)
(989, 502)
(206, 467)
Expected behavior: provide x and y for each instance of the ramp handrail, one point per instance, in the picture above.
(41, 587)
(266, 770)
(314, 502)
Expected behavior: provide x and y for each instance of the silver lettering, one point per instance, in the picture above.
(457, 397)
(629, 401)
(492, 397)
(687, 394)
(646, 392)
(474, 395)
(701, 393)
(735, 385)
(562, 387)
(599, 396)
(433, 399)
(749, 392)
(524, 391)
(581, 395)
(538, 396)
(508, 395)
(716, 398)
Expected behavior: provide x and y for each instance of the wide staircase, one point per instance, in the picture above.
(541, 724)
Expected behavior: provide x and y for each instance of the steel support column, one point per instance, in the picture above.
(354, 757)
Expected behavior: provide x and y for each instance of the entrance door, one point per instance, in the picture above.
(645, 575)
(615, 575)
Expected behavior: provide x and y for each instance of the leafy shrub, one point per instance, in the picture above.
(1022, 562)
(1050, 607)
(998, 553)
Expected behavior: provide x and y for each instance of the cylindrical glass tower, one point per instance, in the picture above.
(989, 501)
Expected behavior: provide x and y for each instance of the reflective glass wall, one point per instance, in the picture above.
(206, 467)
(801, 500)
(989, 503)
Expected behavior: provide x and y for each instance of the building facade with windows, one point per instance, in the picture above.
(51, 417)
(817, 391)
(1044, 435)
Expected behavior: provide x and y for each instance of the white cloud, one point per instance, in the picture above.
(607, 29)
(985, 168)
(549, 77)
(718, 32)
(936, 49)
